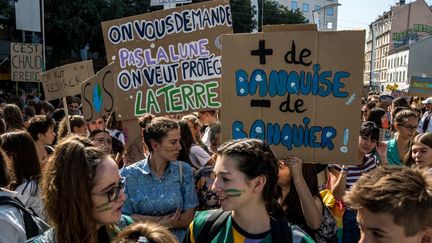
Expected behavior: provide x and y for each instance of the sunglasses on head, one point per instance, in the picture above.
(113, 193)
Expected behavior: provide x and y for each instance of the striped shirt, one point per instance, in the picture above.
(355, 171)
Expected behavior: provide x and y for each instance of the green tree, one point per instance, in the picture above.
(242, 16)
(5, 8)
(275, 13)
(70, 25)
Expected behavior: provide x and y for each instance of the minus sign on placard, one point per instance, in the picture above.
(260, 103)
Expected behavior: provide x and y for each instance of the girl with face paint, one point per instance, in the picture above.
(246, 182)
(83, 194)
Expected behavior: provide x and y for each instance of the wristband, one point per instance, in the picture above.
(344, 170)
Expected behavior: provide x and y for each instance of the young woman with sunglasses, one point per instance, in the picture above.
(83, 194)
(405, 123)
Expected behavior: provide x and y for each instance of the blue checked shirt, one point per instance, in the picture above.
(150, 195)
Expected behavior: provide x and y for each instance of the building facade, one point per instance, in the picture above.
(321, 12)
(404, 24)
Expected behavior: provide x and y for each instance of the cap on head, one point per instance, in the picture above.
(427, 101)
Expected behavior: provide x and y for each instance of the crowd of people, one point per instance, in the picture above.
(183, 184)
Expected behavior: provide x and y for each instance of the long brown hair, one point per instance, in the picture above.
(19, 145)
(66, 186)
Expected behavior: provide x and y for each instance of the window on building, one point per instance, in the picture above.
(330, 11)
(403, 76)
(317, 7)
(405, 60)
(305, 7)
(389, 63)
(294, 5)
(329, 25)
(391, 77)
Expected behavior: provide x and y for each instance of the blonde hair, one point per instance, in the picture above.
(403, 193)
(152, 231)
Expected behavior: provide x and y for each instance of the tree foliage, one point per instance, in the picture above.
(275, 13)
(5, 8)
(71, 24)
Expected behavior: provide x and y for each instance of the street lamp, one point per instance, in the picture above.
(316, 11)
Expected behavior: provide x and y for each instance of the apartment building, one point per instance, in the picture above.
(402, 25)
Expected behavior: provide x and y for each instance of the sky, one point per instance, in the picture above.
(358, 14)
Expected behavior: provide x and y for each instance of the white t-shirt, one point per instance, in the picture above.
(206, 137)
(120, 135)
(198, 156)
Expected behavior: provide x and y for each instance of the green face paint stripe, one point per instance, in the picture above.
(104, 209)
(103, 205)
(234, 192)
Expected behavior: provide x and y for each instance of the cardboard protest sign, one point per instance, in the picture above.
(299, 90)
(168, 61)
(26, 62)
(420, 86)
(133, 135)
(164, 2)
(65, 80)
(97, 94)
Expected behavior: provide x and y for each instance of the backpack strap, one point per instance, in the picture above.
(31, 227)
(212, 226)
(280, 230)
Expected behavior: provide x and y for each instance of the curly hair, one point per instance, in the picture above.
(66, 185)
(403, 193)
(39, 124)
(152, 231)
(255, 158)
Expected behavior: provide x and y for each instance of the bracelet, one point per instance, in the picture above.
(344, 170)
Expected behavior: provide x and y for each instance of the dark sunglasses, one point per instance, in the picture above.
(113, 193)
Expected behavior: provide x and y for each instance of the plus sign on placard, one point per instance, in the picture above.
(262, 52)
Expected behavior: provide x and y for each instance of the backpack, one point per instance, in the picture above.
(34, 226)
(280, 228)
(204, 178)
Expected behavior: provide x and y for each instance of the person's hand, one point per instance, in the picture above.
(381, 149)
(214, 156)
(295, 166)
(170, 221)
